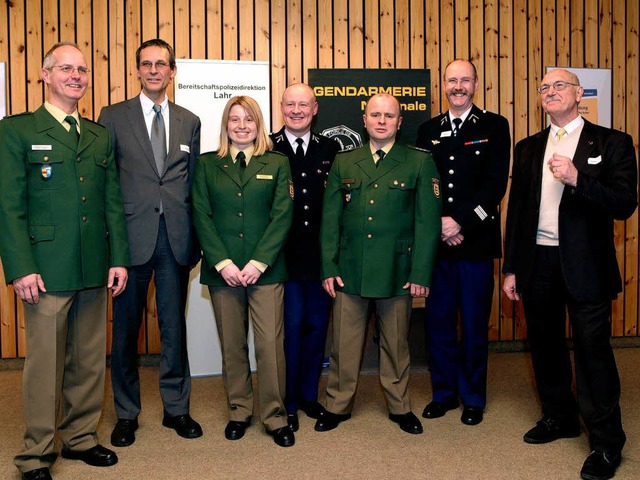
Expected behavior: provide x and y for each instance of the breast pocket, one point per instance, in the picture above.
(350, 193)
(401, 194)
(45, 170)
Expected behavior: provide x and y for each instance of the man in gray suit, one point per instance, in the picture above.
(156, 144)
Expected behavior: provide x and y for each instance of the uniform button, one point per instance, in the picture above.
(306, 207)
(372, 202)
(32, 237)
(303, 174)
(304, 190)
(78, 159)
(82, 179)
(450, 185)
(306, 224)
(319, 171)
(45, 159)
(84, 219)
(450, 199)
(104, 162)
(395, 182)
(451, 172)
(452, 157)
(156, 209)
(369, 236)
(409, 249)
(370, 218)
(241, 235)
(403, 184)
(239, 194)
(84, 199)
(477, 152)
(161, 183)
(239, 214)
(375, 185)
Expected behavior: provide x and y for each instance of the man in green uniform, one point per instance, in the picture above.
(379, 236)
(63, 238)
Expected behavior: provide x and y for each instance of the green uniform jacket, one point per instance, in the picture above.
(381, 226)
(60, 206)
(242, 220)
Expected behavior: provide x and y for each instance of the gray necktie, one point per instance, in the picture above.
(159, 139)
(73, 131)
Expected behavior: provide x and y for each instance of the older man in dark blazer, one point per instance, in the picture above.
(156, 144)
(62, 240)
(570, 182)
(306, 304)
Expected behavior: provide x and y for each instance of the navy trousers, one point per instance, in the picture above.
(458, 360)
(171, 281)
(306, 316)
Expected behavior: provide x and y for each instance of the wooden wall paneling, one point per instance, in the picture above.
(432, 52)
(150, 23)
(491, 76)
(417, 36)
(198, 30)
(117, 54)
(133, 39)
(477, 53)
(340, 36)
(371, 23)
(388, 35)
(17, 66)
(152, 334)
(577, 28)
(22, 337)
(67, 21)
(619, 97)
(263, 27)
(230, 31)
(213, 29)
(590, 37)
(33, 43)
(50, 25)
(632, 68)
(462, 34)
(324, 34)
(8, 330)
(4, 57)
(605, 44)
(357, 35)
(166, 23)
(84, 39)
(448, 50)
(246, 30)
(549, 42)
(402, 50)
(296, 24)
(100, 56)
(536, 62)
(563, 33)
(278, 36)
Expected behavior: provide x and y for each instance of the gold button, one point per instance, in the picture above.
(369, 236)
(45, 159)
(239, 194)
(372, 202)
(241, 235)
(84, 219)
(104, 162)
(82, 179)
(84, 199)
(370, 219)
(395, 182)
(78, 159)
(375, 185)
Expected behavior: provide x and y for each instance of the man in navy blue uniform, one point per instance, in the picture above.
(471, 148)
(306, 304)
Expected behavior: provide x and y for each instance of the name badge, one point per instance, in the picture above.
(594, 160)
(185, 148)
(445, 134)
(264, 177)
(40, 147)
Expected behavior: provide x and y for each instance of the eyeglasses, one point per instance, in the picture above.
(558, 86)
(454, 81)
(68, 69)
(147, 65)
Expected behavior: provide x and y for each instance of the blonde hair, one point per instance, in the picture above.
(262, 143)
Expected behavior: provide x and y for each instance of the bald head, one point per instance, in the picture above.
(298, 108)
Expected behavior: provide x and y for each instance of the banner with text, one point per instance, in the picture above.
(343, 93)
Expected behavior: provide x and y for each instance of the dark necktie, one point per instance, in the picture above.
(241, 159)
(456, 126)
(299, 149)
(381, 155)
(73, 131)
(159, 139)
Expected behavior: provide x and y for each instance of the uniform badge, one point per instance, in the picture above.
(435, 183)
(290, 182)
(46, 172)
(347, 197)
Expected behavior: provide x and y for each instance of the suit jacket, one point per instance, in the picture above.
(60, 204)
(606, 190)
(302, 250)
(381, 226)
(474, 169)
(143, 187)
(242, 219)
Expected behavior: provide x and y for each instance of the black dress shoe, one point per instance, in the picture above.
(471, 415)
(123, 433)
(328, 421)
(600, 465)
(184, 425)
(283, 436)
(235, 430)
(292, 420)
(37, 474)
(311, 409)
(438, 409)
(549, 429)
(408, 422)
(97, 456)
